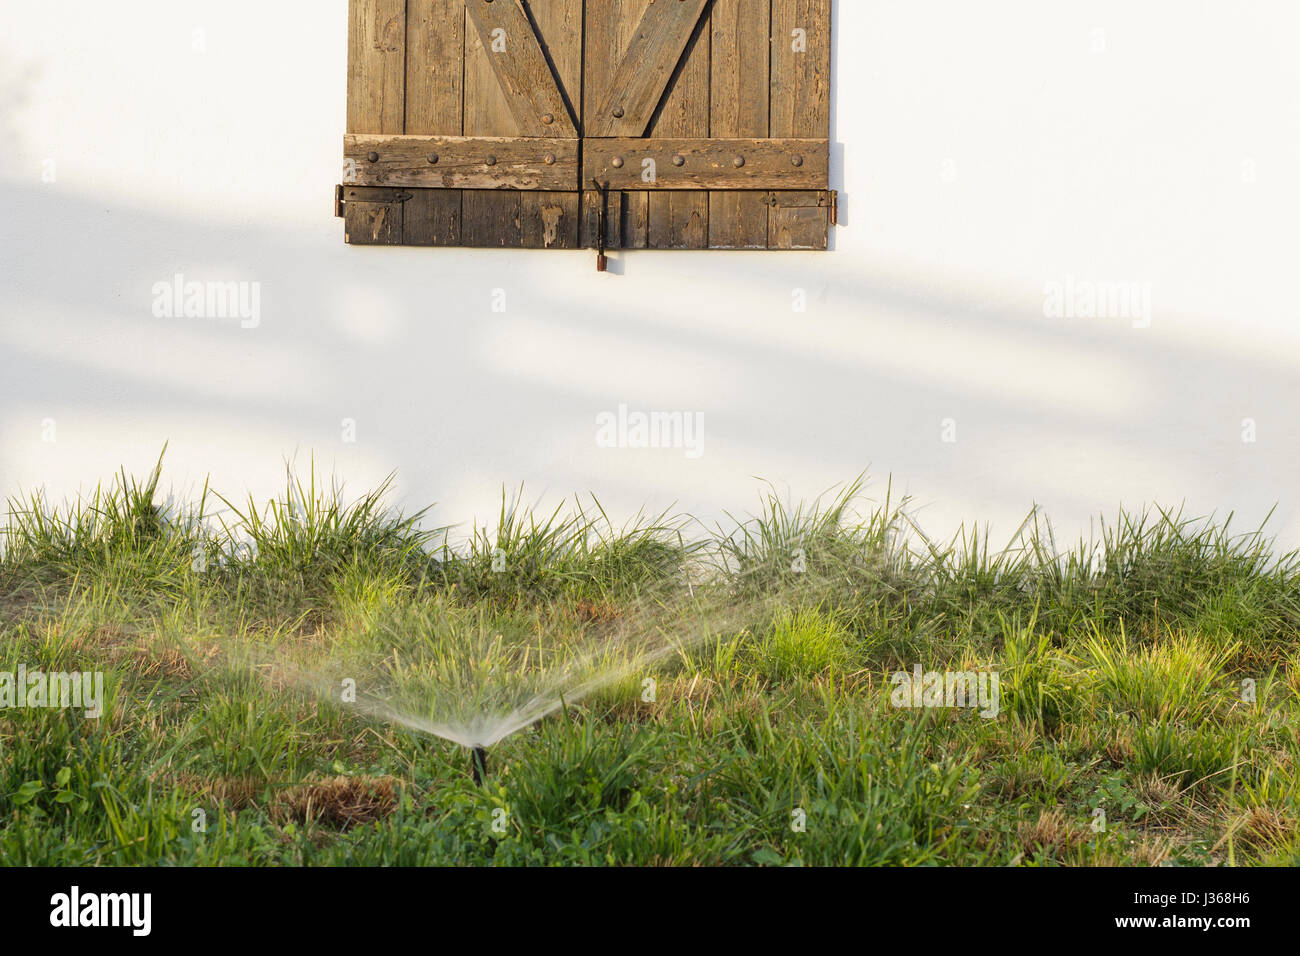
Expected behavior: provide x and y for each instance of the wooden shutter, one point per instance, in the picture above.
(659, 124)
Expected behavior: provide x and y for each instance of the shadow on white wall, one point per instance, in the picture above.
(1074, 415)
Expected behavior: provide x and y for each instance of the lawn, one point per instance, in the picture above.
(296, 682)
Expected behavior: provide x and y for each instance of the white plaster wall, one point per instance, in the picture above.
(985, 150)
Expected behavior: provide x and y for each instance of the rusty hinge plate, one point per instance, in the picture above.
(369, 194)
(822, 199)
(799, 200)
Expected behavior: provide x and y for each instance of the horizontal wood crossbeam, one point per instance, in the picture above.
(463, 162)
(632, 163)
(432, 217)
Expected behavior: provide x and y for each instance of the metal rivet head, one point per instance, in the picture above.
(618, 112)
(549, 159)
(548, 119)
(738, 161)
(618, 162)
(433, 159)
(491, 160)
(797, 160)
(679, 160)
(372, 157)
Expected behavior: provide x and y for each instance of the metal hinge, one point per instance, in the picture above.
(371, 194)
(804, 199)
(801, 199)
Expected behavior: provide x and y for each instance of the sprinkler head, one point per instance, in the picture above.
(478, 764)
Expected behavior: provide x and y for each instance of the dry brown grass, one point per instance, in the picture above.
(338, 802)
(1150, 850)
(234, 793)
(1119, 748)
(591, 612)
(1052, 833)
(1161, 795)
(1263, 829)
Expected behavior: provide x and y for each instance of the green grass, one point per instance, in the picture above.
(1149, 678)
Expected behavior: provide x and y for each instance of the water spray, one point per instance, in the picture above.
(457, 678)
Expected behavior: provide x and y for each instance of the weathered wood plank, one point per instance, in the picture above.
(610, 26)
(435, 95)
(489, 217)
(435, 70)
(636, 87)
(376, 66)
(740, 99)
(708, 163)
(800, 91)
(801, 68)
(634, 220)
(680, 220)
(376, 104)
(464, 162)
(515, 57)
(550, 220)
(740, 52)
(432, 218)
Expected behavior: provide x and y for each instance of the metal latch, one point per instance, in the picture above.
(602, 260)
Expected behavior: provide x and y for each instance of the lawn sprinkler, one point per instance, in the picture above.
(478, 764)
